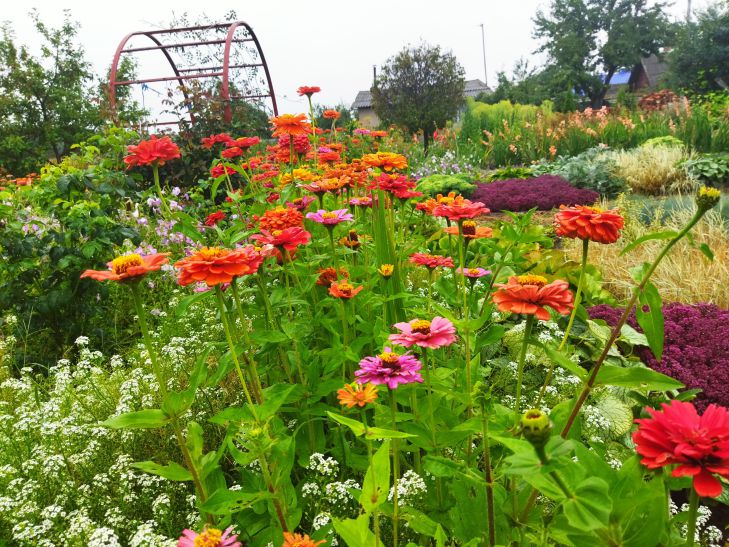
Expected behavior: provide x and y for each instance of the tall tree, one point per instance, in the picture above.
(420, 88)
(699, 60)
(45, 101)
(590, 40)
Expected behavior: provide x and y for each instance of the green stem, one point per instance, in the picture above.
(587, 387)
(520, 368)
(395, 471)
(488, 478)
(578, 296)
(258, 388)
(692, 514)
(375, 517)
(163, 204)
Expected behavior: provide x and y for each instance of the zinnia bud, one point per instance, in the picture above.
(707, 198)
(536, 427)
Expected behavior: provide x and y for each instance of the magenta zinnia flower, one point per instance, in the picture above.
(427, 334)
(473, 272)
(330, 218)
(389, 368)
(209, 537)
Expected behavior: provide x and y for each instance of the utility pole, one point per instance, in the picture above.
(483, 45)
(688, 12)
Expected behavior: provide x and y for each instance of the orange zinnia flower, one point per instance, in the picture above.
(344, 289)
(131, 267)
(281, 218)
(357, 394)
(297, 540)
(470, 230)
(530, 294)
(430, 204)
(387, 161)
(215, 265)
(331, 114)
(290, 124)
(589, 223)
(329, 275)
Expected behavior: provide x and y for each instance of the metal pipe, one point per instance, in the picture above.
(183, 45)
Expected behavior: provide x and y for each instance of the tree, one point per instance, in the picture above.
(590, 40)
(46, 102)
(420, 88)
(699, 60)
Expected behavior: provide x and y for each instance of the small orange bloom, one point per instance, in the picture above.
(470, 230)
(589, 223)
(357, 394)
(329, 275)
(215, 265)
(281, 218)
(387, 161)
(331, 114)
(297, 540)
(430, 204)
(531, 293)
(129, 267)
(344, 289)
(290, 124)
(308, 90)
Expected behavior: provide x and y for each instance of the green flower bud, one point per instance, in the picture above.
(707, 197)
(536, 427)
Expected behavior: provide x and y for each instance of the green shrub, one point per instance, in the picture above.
(593, 169)
(442, 184)
(507, 173)
(711, 169)
(667, 140)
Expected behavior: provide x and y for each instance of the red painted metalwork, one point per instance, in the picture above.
(198, 72)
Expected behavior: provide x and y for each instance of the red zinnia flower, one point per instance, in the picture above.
(128, 267)
(289, 239)
(213, 218)
(589, 223)
(432, 261)
(698, 444)
(208, 142)
(308, 90)
(329, 275)
(244, 142)
(331, 114)
(232, 152)
(153, 151)
(220, 170)
(460, 209)
(530, 294)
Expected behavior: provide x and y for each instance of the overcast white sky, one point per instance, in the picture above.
(332, 44)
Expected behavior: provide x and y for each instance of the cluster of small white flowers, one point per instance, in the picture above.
(327, 467)
(310, 490)
(321, 520)
(410, 488)
(338, 492)
(145, 536)
(711, 534)
(82, 341)
(104, 537)
(595, 422)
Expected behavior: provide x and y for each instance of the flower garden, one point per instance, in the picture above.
(328, 339)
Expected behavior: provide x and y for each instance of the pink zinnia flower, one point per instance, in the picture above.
(389, 368)
(473, 273)
(330, 218)
(300, 203)
(431, 261)
(460, 209)
(427, 334)
(361, 202)
(698, 444)
(289, 239)
(209, 537)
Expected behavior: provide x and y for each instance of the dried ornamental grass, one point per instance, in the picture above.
(654, 169)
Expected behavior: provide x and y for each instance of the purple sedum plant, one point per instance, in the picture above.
(545, 193)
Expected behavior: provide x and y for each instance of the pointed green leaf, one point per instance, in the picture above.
(376, 484)
(141, 419)
(172, 471)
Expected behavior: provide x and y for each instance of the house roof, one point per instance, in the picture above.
(471, 88)
(654, 68)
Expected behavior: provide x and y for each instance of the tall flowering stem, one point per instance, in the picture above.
(707, 198)
(375, 515)
(692, 515)
(488, 475)
(395, 472)
(520, 368)
(258, 389)
(163, 203)
(176, 426)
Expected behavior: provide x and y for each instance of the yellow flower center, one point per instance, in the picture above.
(276, 233)
(537, 280)
(345, 287)
(709, 192)
(389, 357)
(211, 253)
(121, 264)
(421, 325)
(329, 215)
(473, 271)
(212, 537)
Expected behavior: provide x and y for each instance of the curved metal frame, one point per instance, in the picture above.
(180, 77)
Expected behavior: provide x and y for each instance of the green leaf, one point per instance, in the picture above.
(274, 397)
(633, 337)
(141, 419)
(380, 433)
(376, 484)
(355, 533)
(562, 360)
(651, 321)
(172, 471)
(176, 403)
(590, 507)
(708, 253)
(186, 302)
(271, 336)
(226, 502)
(357, 427)
(648, 237)
(637, 378)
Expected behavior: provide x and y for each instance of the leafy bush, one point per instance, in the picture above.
(667, 140)
(711, 169)
(696, 348)
(592, 169)
(653, 170)
(506, 173)
(442, 184)
(544, 192)
(445, 163)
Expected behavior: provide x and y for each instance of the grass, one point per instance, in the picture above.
(685, 275)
